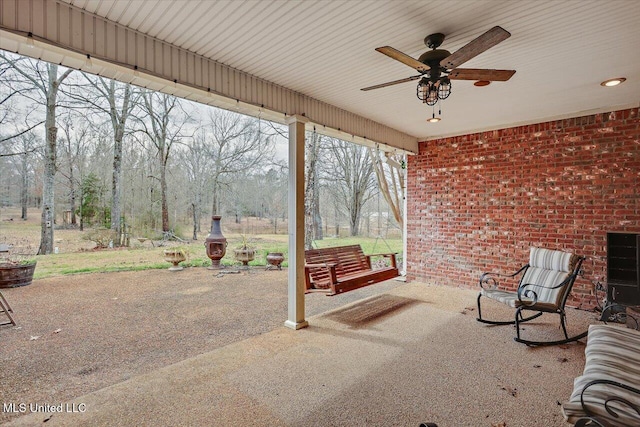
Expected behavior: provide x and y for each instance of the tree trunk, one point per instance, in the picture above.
(116, 190)
(195, 222)
(48, 183)
(24, 186)
(317, 219)
(73, 207)
(48, 208)
(313, 220)
(197, 212)
(163, 195)
(354, 222)
(215, 202)
(72, 190)
(118, 124)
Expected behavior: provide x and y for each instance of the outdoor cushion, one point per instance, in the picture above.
(612, 353)
(549, 259)
(547, 269)
(546, 281)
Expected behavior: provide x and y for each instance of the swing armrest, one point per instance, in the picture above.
(323, 265)
(330, 266)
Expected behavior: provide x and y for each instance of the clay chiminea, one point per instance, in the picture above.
(215, 243)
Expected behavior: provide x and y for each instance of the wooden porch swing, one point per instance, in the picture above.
(344, 268)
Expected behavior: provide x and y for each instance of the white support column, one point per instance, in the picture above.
(406, 219)
(296, 287)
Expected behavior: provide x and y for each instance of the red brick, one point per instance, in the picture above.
(478, 202)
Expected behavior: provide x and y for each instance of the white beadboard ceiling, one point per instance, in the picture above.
(561, 51)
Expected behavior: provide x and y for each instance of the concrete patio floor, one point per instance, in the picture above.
(410, 354)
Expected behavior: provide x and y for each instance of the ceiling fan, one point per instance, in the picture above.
(437, 67)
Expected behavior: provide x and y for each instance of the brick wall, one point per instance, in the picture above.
(477, 202)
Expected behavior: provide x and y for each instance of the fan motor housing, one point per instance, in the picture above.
(433, 41)
(432, 58)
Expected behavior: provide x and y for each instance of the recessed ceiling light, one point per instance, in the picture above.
(482, 83)
(613, 82)
(433, 119)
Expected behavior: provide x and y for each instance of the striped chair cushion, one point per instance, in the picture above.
(547, 278)
(548, 259)
(547, 268)
(506, 297)
(612, 353)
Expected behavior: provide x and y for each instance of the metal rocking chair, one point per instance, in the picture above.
(6, 309)
(543, 288)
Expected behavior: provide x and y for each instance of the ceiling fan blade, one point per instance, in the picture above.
(475, 47)
(403, 57)
(481, 74)
(395, 82)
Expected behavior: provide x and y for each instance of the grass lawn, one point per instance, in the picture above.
(76, 253)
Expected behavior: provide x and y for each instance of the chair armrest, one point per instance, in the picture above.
(610, 409)
(489, 280)
(386, 254)
(525, 290)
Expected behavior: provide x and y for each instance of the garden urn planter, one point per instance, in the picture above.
(274, 259)
(13, 275)
(215, 243)
(244, 255)
(175, 257)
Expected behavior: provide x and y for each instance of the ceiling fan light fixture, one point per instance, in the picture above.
(613, 82)
(444, 88)
(422, 89)
(433, 119)
(432, 97)
(427, 92)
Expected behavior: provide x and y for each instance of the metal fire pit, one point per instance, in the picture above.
(215, 243)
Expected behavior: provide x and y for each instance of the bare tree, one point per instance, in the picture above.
(73, 146)
(118, 101)
(47, 80)
(350, 173)
(24, 147)
(390, 175)
(10, 114)
(197, 169)
(237, 144)
(274, 193)
(163, 132)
